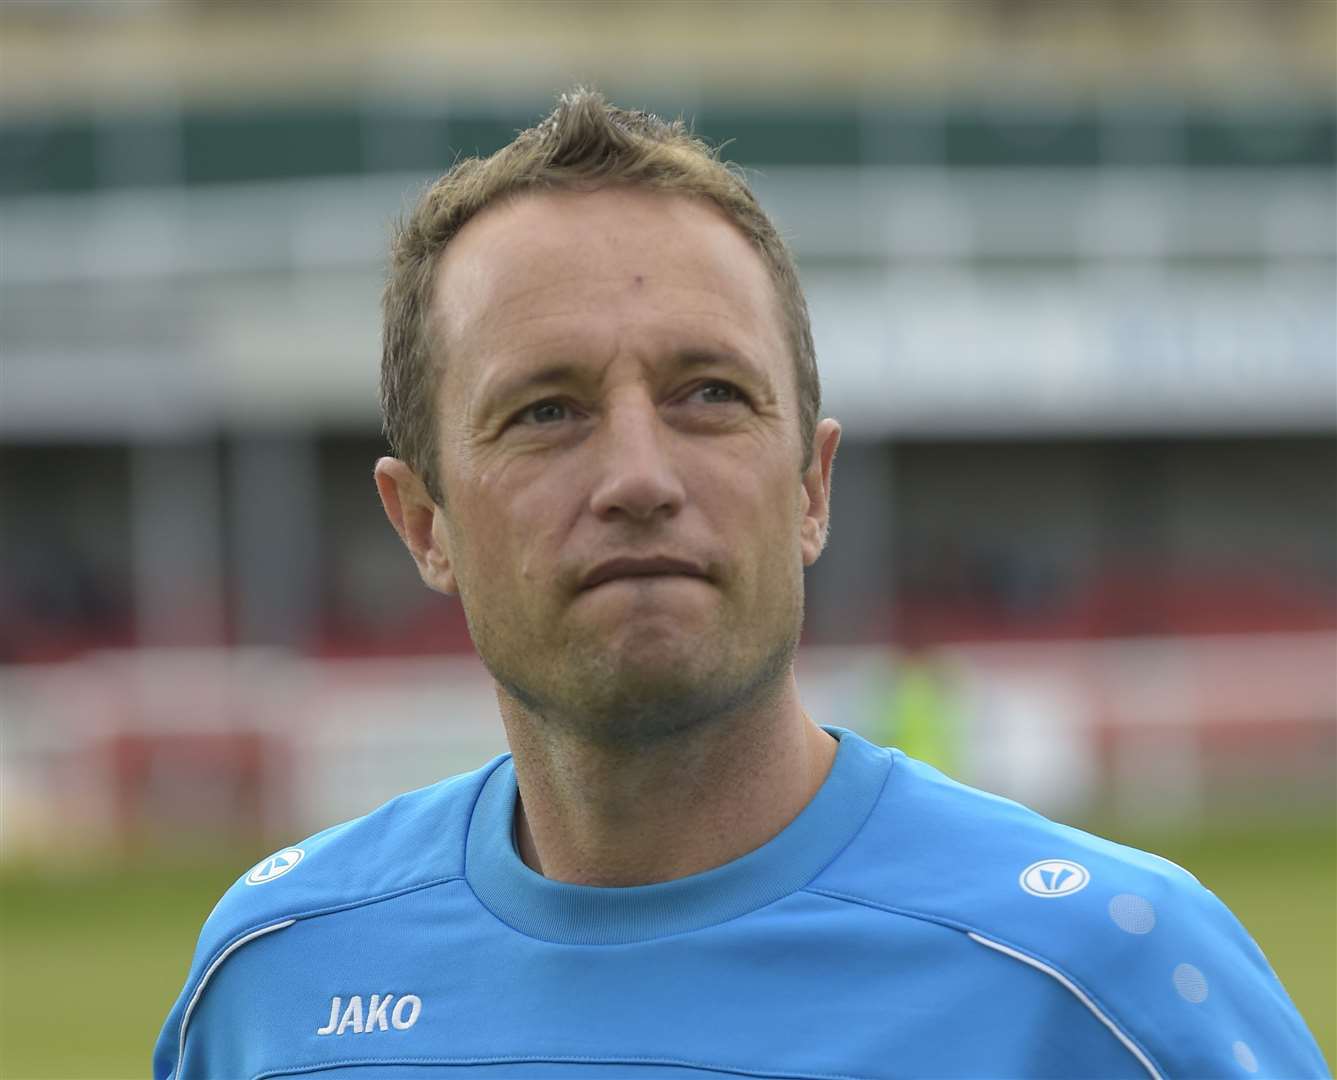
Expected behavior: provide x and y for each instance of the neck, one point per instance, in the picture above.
(612, 816)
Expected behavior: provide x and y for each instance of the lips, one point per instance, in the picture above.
(643, 567)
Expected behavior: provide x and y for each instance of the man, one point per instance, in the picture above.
(599, 383)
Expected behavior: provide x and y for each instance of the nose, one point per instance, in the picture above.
(636, 478)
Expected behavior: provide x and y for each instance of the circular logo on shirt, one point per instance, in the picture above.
(276, 865)
(1054, 877)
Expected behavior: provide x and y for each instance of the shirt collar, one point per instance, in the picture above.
(592, 915)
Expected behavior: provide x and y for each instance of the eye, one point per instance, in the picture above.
(543, 412)
(717, 392)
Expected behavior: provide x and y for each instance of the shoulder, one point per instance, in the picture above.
(1155, 955)
(413, 841)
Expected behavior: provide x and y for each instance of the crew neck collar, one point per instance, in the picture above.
(593, 915)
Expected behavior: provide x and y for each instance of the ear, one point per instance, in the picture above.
(420, 522)
(817, 490)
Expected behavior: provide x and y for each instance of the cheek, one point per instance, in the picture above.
(512, 527)
(758, 513)
(486, 541)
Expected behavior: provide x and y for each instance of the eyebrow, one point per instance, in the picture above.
(562, 372)
(691, 358)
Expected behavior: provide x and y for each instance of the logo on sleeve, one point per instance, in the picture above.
(383, 1011)
(276, 865)
(1054, 877)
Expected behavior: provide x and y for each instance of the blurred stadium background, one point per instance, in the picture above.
(1071, 268)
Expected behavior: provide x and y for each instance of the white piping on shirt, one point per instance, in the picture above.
(204, 979)
(1128, 1043)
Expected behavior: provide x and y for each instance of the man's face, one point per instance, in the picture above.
(626, 521)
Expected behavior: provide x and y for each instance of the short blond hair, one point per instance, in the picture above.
(584, 141)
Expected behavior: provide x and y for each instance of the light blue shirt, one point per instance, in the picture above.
(902, 925)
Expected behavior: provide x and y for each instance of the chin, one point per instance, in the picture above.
(637, 697)
(643, 680)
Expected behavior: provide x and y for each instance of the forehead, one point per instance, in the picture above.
(606, 269)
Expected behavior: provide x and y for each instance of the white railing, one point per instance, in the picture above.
(152, 744)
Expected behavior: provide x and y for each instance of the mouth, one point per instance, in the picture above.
(621, 569)
(626, 578)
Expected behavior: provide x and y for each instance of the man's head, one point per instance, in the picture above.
(617, 422)
(583, 143)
